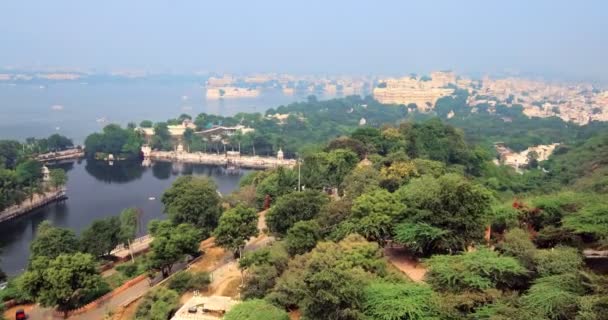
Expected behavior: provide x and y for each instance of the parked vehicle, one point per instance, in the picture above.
(20, 315)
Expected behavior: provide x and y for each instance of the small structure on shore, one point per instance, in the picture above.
(46, 174)
(203, 308)
(280, 155)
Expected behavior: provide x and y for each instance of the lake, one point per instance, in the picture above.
(96, 190)
(73, 109)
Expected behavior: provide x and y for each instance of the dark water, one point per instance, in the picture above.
(27, 110)
(97, 190)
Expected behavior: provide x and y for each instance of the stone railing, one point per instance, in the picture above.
(37, 201)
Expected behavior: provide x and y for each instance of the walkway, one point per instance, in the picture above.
(138, 245)
(406, 263)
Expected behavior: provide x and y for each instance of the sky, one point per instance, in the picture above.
(557, 38)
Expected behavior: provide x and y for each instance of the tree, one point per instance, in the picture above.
(171, 243)
(235, 227)
(517, 244)
(591, 220)
(146, 124)
(554, 297)
(193, 200)
(421, 238)
(329, 281)
(162, 137)
(261, 268)
(302, 237)
(57, 142)
(557, 260)
(450, 203)
(101, 237)
(129, 221)
(157, 304)
(276, 183)
(58, 178)
(361, 180)
(29, 172)
(398, 301)
(62, 281)
(473, 271)
(294, 207)
(256, 310)
(51, 241)
(376, 212)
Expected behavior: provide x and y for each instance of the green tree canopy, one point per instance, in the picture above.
(329, 281)
(157, 304)
(399, 301)
(101, 237)
(450, 203)
(235, 227)
(256, 310)
(302, 237)
(294, 207)
(475, 271)
(61, 281)
(193, 200)
(58, 178)
(171, 243)
(51, 241)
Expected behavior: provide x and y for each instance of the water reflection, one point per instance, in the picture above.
(118, 172)
(161, 170)
(96, 190)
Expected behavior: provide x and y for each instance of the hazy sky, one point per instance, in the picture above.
(394, 37)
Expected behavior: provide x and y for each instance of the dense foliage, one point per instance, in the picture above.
(21, 176)
(194, 201)
(114, 140)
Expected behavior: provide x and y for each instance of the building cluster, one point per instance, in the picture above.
(421, 91)
(519, 160)
(580, 104)
(213, 133)
(231, 86)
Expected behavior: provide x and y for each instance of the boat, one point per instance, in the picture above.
(152, 198)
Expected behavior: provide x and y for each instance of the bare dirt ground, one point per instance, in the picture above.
(406, 263)
(295, 315)
(10, 312)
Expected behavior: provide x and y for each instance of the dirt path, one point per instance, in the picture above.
(404, 261)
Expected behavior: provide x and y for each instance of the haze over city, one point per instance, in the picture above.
(303, 160)
(560, 39)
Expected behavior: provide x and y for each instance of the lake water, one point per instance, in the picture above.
(72, 109)
(96, 190)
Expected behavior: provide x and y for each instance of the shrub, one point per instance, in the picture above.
(256, 310)
(157, 304)
(185, 281)
(478, 270)
(557, 261)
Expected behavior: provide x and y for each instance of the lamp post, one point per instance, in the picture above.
(299, 175)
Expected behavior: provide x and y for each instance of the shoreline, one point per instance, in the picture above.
(31, 204)
(61, 155)
(251, 162)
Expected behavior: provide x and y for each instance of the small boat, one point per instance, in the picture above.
(152, 198)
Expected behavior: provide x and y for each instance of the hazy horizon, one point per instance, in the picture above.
(552, 38)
